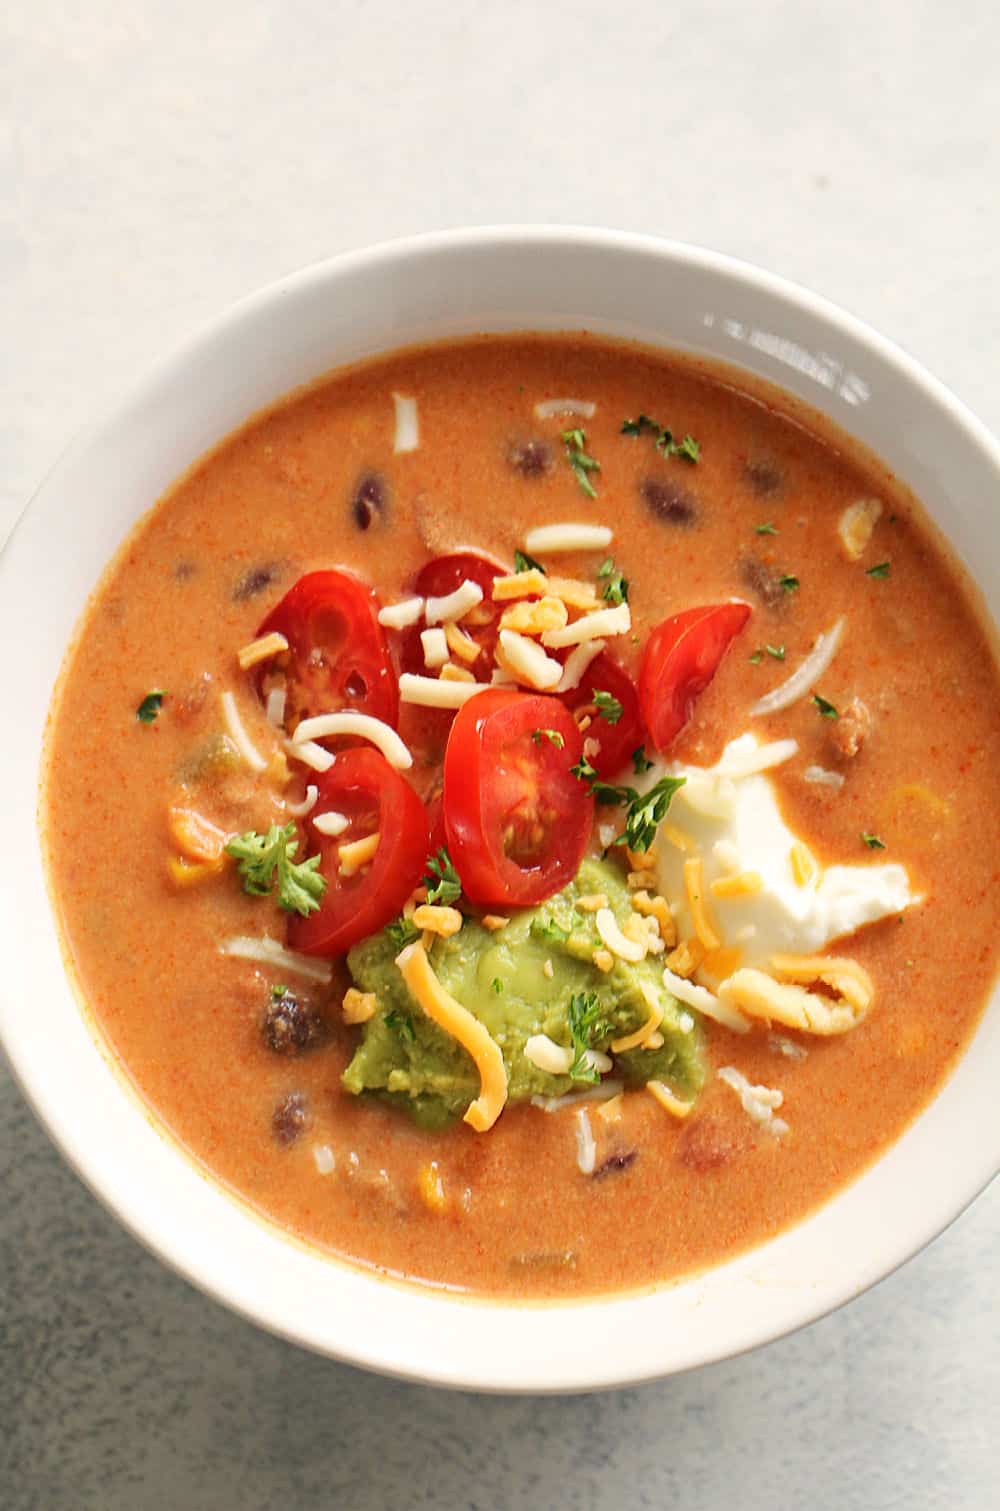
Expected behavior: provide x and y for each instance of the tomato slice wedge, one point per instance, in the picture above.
(443, 575)
(517, 821)
(681, 657)
(338, 656)
(375, 799)
(616, 739)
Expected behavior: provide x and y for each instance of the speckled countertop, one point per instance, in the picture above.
(160, 161)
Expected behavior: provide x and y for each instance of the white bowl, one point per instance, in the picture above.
(421, 290)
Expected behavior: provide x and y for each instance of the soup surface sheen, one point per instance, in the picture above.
(510, 1211)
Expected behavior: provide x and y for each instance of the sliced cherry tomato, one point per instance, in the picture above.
(681, 657)
(518, 822)
(615, 740)
(443, 575)
(435, 825)
(375, 799)
(337, 654)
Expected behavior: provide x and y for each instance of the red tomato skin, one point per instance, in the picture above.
(680, 659)
(362, 785)
(616, 741)
(334, 611)
(492, 769)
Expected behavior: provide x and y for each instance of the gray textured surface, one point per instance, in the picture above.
(159, 162)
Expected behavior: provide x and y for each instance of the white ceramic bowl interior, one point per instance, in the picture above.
(336, 312)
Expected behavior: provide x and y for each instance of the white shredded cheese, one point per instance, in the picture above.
(737, 762)
(331, 823)
(787, 1047)
(453, 605)
(239, 736)
(435, 647)
(364, 726)
(267, 951)
(704, 1002)
(685, 1023)
(805, 675)
(586, 1146)
(529, 663)
(310, 754)
(545, 1054)
(759, 1102)
(820, 776)
(570, 537)
(261, 649)
(324, 1159)
(551, 409)
(275, 706)
(308, 803)
(614, 621)
(430, 692)
(399, 616)
(602, 1093)
(612, 936)
(407, 436)
(576, 664)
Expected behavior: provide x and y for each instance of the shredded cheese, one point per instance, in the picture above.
(431, 692)
(821, 776)
(311, 755)
(677, 838)
(687, 957)
(308, 803)
(460, 644)
(357, 853)
(760, 996)
(803, 864)
(647, 1029)
(437, 920)
(758, 1102)
(399, 616)
(275, 706)
(805, 675)
(196, 836)
(704, 1002)
(602, 1093)
(586, 1147)
(591, 902)
(576, 664)
(533, 616)
(331, 823)
(407, 437)
(261, 649)
(267, 951)
(742, 884)
(239, 736)
(694, 886)
(324, 1159)
(545, 1054)
(612, 936)
(839, 972)
(363, 726)
(668, 1099)
(656, 907)
(856, 525)
(534, 583)
(528, 662)
(431, 1187)
(494, 922)
(453, 605)
(452, 673)
(435, 647)
(602, 622)
(456, 1020)
(552, 539)
(357, 1006)
(611, 1111)
(553, 409)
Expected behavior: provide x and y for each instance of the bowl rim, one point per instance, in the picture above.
(59, 1124)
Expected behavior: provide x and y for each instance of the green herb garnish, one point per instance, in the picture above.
(766, 529)
(441, 879)
(789, 583)
(615, 585)
(827, 709)
(263, 859)
(402, 932)
(547, 930)
(525, 563)
(497, 985)
(777, 651)
(552, 735)
(401, 1024)
(689, 449)
(608, 707)
(756, 658)
(645, 810)
(150, 706)
(277, 992)
(585, 1025)
(874, 843)
(640, 763)
(880, 569)
(582, 464)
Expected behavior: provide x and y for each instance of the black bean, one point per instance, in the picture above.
(762, 581)
(764, 475)
(370, 500)
(255, 579)
(616, 1162)
(530, 457)
(290, 1118)
(669, 501)
(290, 1025)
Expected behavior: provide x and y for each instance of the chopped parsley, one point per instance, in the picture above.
(766, 529)
(582, 464)
(552, 735)
(874, 843)
(689, 449)
(827, 709)
(777, 651)
(525, 563)
(645, 810)
(402, 932)
(497, 985)
(441, 879)
(277, 992)
(608, 707)
(401, 1024)
(263, 859)
(615, 585)
(756, 658)
(789, 583)
(586, 1024)
(640, 762)
(548, 931)
(150, 706)
(880, 569)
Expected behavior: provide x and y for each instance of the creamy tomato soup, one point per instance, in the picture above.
(533, 911)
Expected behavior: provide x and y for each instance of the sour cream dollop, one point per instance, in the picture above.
(729, 816)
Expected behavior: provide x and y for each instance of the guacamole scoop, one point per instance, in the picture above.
(518, 981)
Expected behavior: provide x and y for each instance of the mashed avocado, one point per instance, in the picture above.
(501, 978)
